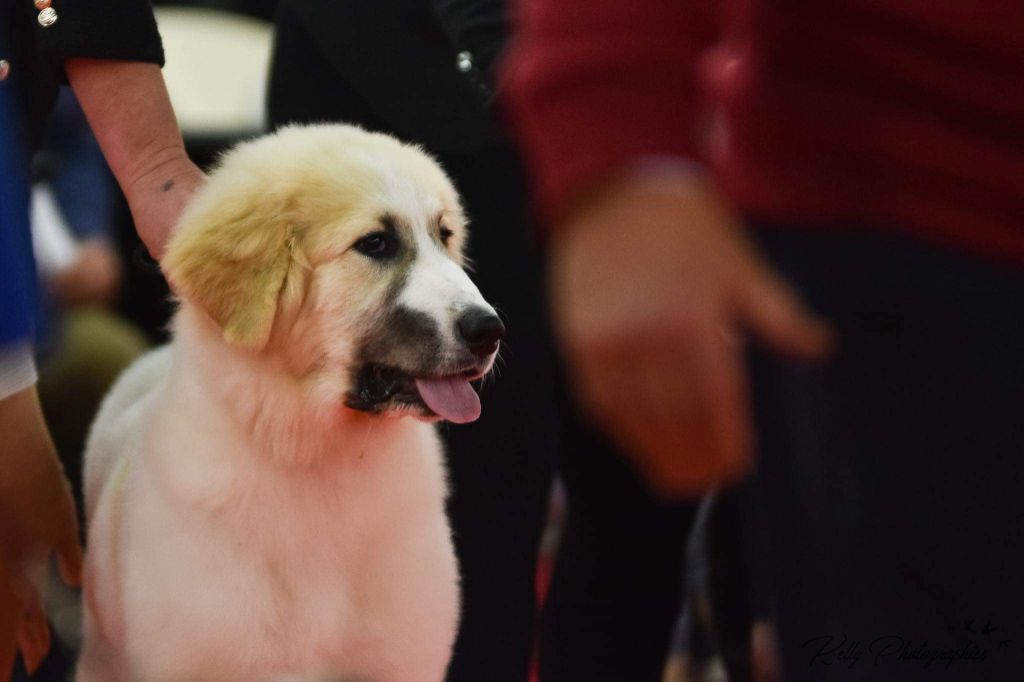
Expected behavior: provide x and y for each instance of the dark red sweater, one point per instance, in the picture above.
(882, 114)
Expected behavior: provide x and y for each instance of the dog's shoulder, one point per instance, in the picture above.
(142, 377)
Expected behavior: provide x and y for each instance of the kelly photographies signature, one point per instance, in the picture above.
(893, 649)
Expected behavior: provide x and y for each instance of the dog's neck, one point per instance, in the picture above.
(285, 418)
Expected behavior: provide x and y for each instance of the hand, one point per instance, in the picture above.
(37, 518)
(653, 287)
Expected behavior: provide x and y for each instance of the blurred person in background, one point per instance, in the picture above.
(712, 173)
(424, 70)
(110, 52)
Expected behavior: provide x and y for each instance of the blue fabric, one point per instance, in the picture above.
(18, 287)
(72, 164)
(81, 181)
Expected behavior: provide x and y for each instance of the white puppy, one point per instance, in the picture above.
(255, 509)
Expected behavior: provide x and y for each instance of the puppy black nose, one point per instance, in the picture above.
(481, 330)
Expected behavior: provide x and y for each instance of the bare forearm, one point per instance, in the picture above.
(130, 112)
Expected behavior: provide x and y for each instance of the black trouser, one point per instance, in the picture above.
(617, 585)
(892, 474)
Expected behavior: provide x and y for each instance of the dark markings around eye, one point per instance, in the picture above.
(398, 267)
(446, 234)
(383, 243)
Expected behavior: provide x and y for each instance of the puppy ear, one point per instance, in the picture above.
(232, 259)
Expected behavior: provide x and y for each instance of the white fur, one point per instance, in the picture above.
(439, 287)
(243, 524)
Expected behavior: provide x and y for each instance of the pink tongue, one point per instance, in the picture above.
(453, 398)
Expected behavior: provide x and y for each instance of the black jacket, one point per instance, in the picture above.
(103, 29)
(478, 28)
(394, 61)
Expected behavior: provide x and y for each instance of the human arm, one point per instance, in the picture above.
(36, 512)
(130, 113)
(110, 52)
(592, 86)
(37, 515)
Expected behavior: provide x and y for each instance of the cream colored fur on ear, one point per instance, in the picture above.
(231, 258)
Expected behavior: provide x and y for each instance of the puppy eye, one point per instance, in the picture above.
(379, 245)
(446, 234)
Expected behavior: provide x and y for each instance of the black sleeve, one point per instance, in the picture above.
(478, 28)
(100, 29)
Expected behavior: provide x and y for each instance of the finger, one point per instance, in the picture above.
(10, 612)
(683, 465)
(764, 653)
(628, 406)
(676, 457)
(672, 460)
(706, 440)
(601, 383)
(683, 425)
(648, 417)
(722, 376)
(33, 633)
(667, 389)
(8, 652)
(773, 311)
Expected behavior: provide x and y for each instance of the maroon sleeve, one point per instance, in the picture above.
(590, 85)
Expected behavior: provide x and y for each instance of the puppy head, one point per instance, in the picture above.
(337, 254)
